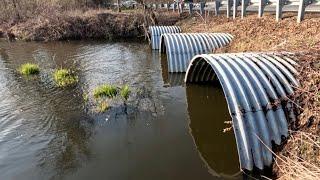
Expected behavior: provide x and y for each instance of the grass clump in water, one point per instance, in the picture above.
(102, 107)
(29, 69)
(85, 97)
(105, 91)
(125, 92)
(65, 77)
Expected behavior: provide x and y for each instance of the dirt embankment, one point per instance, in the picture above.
(92, 24)
(261, 34)
(299, 156)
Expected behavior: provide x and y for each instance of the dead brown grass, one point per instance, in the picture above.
(300, 155)
(302, 161)
(89, 24)
(261, 34)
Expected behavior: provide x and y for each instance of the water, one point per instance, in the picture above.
(169, 131)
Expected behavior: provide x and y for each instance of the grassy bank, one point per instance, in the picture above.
(299, 156)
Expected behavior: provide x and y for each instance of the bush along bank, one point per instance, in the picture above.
(93, 24)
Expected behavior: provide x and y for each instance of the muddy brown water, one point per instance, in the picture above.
(169, 131)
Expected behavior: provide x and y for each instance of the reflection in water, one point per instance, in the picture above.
(207, 111)
(48, 133)
(39, 123)
(169, 79)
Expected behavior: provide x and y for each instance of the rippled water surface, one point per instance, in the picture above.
(168, 131)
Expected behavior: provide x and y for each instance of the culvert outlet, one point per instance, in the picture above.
(157, 31)
(257, 87)
(180, 48)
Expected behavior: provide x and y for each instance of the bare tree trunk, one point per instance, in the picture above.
(119, 9)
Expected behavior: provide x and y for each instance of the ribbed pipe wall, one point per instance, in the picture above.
(256, 87)
(157, 31)
(180, 48)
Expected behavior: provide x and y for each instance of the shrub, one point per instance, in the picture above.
(29, 69)
(105, 90)
(65, 77)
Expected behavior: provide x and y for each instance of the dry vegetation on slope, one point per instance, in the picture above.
(89, 24)
(261, 34)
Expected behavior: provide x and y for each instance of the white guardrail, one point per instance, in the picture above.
(232, 7)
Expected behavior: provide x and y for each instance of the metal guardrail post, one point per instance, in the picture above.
(279, 10)
(181, 7)
(244, 5)
(302, 8)
(235, 8)
(229, 4)
(217, 6)
(262, 4)
(202, 5)
(190, 8)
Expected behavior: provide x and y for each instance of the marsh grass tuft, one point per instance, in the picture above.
(102, 106)
(65, 77)
(105, 91)
(125, 92)
(85, 97)
(29, 69)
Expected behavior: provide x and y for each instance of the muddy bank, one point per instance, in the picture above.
(92, 24)
(299, 155)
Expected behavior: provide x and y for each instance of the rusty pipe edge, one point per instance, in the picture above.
(156, 32)
(256, 87)
(180, 48)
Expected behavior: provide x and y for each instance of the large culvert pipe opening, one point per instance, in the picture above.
(251, 82)
(157, 31)
(182, 47)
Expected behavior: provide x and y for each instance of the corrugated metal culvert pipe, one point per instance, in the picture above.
(180, 48)
(157, 31)
(256, 87)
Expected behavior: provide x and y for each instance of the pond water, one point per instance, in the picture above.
(169, 131)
